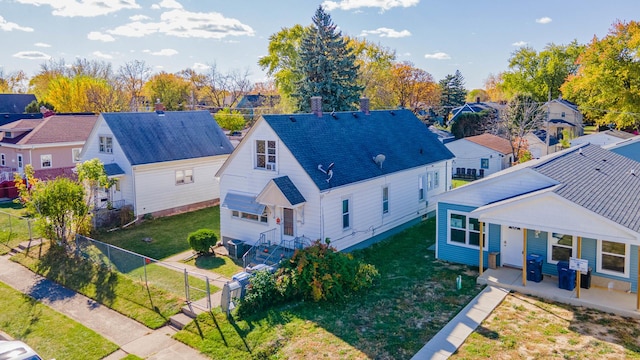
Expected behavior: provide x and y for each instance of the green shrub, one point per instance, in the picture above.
(262, 294)
(202, 240)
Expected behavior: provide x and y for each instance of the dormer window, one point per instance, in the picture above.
(266, 154)
(8, 134)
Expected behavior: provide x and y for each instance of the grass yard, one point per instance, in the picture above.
(151, 306)
(523, 327)
(414, 298)
(14, 228)
(222, 265)
(459, 182)
(168, 234)
(51, 334)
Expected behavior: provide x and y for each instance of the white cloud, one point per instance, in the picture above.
(9, 26)
(32, 55)
(519, 43)
(100, 54)
(438, 56)
(95, 35)
(163, 52)
(139, 17)
(356, 4)
(200, 66)
(169, 4)
(84, 8)
(181, 23)
(544, 20)
(39, 44)
(386, 32)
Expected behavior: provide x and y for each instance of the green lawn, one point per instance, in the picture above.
(415, 297)
(14, 227)
(149, 305)
(222, 265)
(168, 234)
(51, 334)
(458, 182)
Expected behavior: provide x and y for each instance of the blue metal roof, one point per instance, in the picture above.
(113, 169)
(289, 190)
(152, 137)
(15, 103)
(351, 140)
(244, 203)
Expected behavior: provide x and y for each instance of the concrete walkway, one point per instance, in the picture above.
(131, 336)
(447, 341)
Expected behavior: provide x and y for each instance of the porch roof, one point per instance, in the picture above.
(113, 169)
(244, 203)
(281, 191)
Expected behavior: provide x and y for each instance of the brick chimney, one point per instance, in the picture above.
(364, 105)
(316, 105)
(159, 106)
(478, 99)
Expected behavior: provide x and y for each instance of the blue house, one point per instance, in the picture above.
(353, 177)
(581, 202)
(627, 147)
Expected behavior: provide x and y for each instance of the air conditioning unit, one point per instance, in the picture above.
(271, 166)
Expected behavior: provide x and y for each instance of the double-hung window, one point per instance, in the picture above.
(613, 258)
(3, 160)
(484, 163)
(385, 200)
(561, 248)
(45, 161)
(184, 176)
(433, 180)
(105, 144)
(421, 194)
(346, 214)
(464, 230)
(266, 154)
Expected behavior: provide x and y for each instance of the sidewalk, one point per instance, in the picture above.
(450, 337)
(131, 336)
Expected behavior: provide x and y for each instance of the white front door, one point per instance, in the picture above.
(511, 248)
(20, 163)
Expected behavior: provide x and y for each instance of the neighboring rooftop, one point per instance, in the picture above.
(15, 103)
(151, 137)
(492, 142)
(50, 130)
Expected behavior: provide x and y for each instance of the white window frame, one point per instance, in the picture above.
(105, 144)
(626, 256)
(270, 155)
(467, 230)
(385, 200)
(551, 243)
(262, 219)
(74, 158)
(433, 180)
(422, 196)
(184, 176)
(46, 157)
(348, 213)
(3, 159)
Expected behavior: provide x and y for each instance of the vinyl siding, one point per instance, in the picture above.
(469, 154)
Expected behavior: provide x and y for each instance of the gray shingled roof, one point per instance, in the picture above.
(150, 137)
(15, 103)
(598, 180)
(289, 190)
(351, 140)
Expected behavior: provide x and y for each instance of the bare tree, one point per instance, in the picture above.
(225, 89)
(131, 77)
(92, 68)
(521, 116)
(14, 82)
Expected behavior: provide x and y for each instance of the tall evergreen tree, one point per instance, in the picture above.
(453, 91)
(327, 68)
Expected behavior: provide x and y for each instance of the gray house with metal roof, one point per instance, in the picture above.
(164, 162)
(350, 177)
(580, 203)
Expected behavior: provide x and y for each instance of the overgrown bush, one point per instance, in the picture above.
(202, 240)
(318, 272)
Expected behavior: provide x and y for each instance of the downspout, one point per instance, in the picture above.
(321, 218)
(135, 191)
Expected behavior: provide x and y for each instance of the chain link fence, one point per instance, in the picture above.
(193, 287)
(15, 229)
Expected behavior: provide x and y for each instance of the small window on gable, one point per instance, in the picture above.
(266, 155)
(563, 114)
(75, 154)
(45, 161)
(105, 144)
(8, 134)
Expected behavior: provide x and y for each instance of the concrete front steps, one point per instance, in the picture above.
(191, 310)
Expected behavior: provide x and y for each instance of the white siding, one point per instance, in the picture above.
(156, 188)
(469, 154)
(91, 151)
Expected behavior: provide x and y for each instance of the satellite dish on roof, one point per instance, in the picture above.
(379, 159)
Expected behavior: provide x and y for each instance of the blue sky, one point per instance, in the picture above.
(475, 37)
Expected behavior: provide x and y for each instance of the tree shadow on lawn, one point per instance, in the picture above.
(78, 274)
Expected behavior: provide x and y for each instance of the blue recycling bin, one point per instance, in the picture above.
(534, 268)
(566, 276)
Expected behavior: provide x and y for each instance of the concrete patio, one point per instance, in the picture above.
(611, 301)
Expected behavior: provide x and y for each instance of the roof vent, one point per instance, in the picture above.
(379, 159)
(580, 151)
(292, 119)
(393, 113)
(633, 172)
(333, 115)
(329, 171)
(355, 115)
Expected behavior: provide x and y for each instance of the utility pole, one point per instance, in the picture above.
(548, 119)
